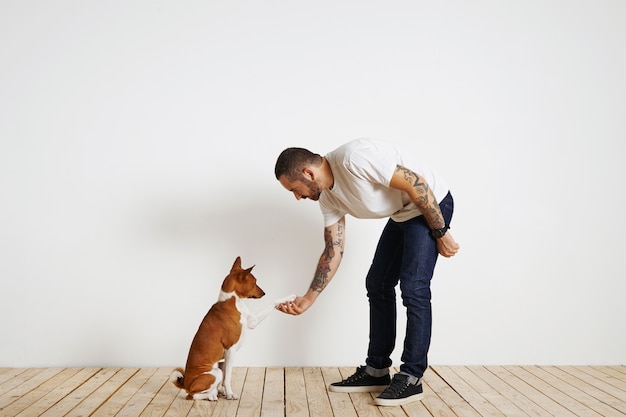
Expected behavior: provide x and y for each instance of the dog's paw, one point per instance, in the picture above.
(287, 299)
(232, 396)
(210, 395)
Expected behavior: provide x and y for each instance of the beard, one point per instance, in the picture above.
(313, 190)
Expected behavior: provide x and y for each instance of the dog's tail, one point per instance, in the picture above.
(177, 378)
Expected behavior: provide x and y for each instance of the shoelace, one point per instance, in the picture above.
(360, 373)
(397, 386)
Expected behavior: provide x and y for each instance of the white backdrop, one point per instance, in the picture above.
(137, 146)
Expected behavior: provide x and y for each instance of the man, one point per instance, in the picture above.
(372, 179)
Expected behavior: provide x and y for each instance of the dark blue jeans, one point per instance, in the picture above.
(406, 253)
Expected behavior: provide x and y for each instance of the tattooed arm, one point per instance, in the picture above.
(422, 196)
(334, 238)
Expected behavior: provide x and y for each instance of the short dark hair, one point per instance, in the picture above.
(292, 161)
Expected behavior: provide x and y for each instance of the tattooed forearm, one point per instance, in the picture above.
(421, 188)
(423, 197)
(320, 280)
(325, 268)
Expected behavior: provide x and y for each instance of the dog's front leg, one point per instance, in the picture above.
(254, 320)
(228, 371)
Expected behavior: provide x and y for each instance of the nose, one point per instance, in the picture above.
(298, 196)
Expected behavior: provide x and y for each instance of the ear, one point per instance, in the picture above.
(308, 173)
(236, 265)
(243, 277)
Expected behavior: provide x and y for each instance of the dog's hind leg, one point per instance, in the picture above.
(204, 387)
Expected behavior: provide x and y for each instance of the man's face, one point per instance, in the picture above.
(303, 188)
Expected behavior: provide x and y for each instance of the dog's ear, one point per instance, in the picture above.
(242, 277)
(236, 265)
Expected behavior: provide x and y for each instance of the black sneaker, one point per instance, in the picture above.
(361, 381)
(401, 391)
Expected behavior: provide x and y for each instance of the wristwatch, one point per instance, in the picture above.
(439, 233)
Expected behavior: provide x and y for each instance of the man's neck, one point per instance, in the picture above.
(328, 179)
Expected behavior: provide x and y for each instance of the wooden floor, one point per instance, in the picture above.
(449, 391)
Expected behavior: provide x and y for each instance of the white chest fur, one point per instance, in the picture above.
(244, 316)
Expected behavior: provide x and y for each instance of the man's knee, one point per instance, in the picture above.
(416, 297)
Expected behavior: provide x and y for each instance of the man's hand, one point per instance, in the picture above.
(447, 246)
(295, 307)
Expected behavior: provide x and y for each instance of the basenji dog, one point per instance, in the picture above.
(221, 333)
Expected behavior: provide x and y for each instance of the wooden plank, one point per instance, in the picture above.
(454, 391)
(362, 401)
(70, 401)
(449, 396)
(621, 369)
(202, 408)
(317, 398)
(494, 397)
(59, 393)
(9, 375)
(118, 400)
(98, 397)
(507, 373)
(12, 390)
(489, 375)
(26, 399)
(395, 411)
(417, 409)
(162, 400)
(590, 385)
(252, 394)
(340, 403)
(180, 406)
(551, 376)
(470, 390)
(526, 373)
(613, 371)
(16, 379)
(228, 408)
(433, 403)
(273, 404)
(145, 393)
(614, 386)
(364, 404)
(247, 384)
(295, 393)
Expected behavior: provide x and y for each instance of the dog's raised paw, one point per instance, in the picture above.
(287, 299)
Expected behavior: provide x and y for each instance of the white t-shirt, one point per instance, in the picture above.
(362, 170)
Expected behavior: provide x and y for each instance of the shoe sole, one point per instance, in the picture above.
(362, 388)
(385, 402)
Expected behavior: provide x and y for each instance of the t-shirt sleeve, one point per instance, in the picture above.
(331, 214)
(374, 163)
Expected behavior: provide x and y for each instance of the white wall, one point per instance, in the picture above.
(137, 146)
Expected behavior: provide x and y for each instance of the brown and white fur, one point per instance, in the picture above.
(220, 335)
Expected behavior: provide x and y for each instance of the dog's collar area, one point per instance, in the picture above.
(227, 295)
